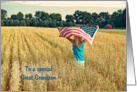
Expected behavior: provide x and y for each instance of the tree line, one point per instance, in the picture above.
(117, 19)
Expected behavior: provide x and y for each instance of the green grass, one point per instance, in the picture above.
(114, 31)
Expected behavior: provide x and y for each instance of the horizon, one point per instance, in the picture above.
(13, 7)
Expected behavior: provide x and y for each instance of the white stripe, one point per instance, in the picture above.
(69, 29)
(87, 35)
(80, 35)
(64, 28)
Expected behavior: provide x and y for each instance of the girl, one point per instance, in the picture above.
(78, 49)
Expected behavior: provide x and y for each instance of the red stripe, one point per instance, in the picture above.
(72, 30)
(84, 34)
(76, 33)
(69, 29)
(90, 41)
(60, 28)
(63, 30)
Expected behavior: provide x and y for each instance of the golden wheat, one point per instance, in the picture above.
(105, 61)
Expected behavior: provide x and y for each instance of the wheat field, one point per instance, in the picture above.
(105, 61)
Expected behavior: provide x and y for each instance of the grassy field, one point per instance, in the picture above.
(105, 61)
(114, 31)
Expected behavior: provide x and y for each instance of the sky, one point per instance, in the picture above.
(62, 7)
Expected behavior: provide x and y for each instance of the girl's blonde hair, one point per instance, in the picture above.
(78, 41)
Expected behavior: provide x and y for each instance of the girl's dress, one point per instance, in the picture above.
(79, 53)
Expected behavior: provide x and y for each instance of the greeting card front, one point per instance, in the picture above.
(63, 46)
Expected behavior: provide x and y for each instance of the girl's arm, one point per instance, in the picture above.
(85, 41)
(71, 40)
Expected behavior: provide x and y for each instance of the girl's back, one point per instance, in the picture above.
(78, 51)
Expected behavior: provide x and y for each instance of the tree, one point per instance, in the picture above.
(83, 17)
(45, 23)
(20, 16)
(30, 16)
(16, 22)
(37, 14)
(74, 24)
(3, 14)
(6, 22)
(95, 16)
(118, 18)
(41, 15)
(69, 24)
(22, 23)
(34, 22)
(58, 17)
(53, 24)
(44, 16)
(52, 16)
(14, 17)
(57, 23)
(11, 22)
(114, 15)
(41, 23)
(120, 11)
(2, 23)
(28, 22)
(27, 16)
(77, 16)
(64, 23)
(104, 18)
(50, 23)
(124, 18)
(69, 18)
(61, 24)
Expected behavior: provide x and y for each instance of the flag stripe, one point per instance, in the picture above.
(78, 32)
(73, 30)
(79, 36)
(87, 33)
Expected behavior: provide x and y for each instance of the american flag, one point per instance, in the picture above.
(87, 33)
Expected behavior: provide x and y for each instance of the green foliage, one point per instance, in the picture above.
(43, 19)
(50, 24)
(28, 23)
(20, 16)
(6, 22)
(74, 24)
(69, 18)
(35, 22)
(3, 14)
(61, 24)
(2, 23)
(42, 15)
(16, 22)
(11, 23)
(45, 23)
(69, 24)
(14, 17)
(53, 24)
(22, 23)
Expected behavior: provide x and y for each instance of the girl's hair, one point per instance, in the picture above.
(78, 41)
(87, 25)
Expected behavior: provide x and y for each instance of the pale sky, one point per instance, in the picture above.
(62, 7)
